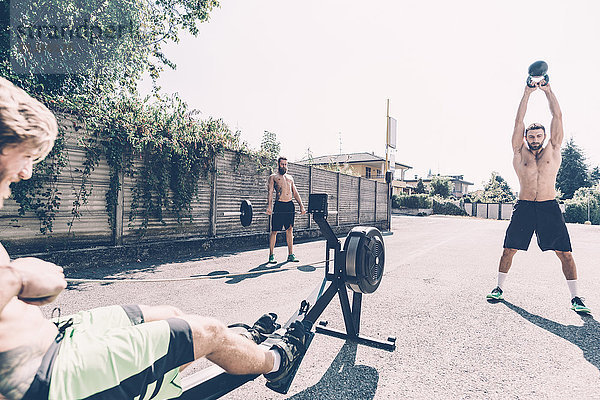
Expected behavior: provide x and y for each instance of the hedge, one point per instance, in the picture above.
(447, 207)
(412, 201)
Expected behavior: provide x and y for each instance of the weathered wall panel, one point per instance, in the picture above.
(348, 199)
(367, 201)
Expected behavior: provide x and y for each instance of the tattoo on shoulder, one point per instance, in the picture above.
(18, 367)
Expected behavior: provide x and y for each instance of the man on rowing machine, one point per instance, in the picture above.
(116, 352)
(283, 212)
(537, 210)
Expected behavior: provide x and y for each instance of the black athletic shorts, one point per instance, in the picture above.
(542, 217)
(283, 215)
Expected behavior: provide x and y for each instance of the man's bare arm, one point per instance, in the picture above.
(519, 130)
(270, 184)
(12, 283)
(298, 198)
(556, 126)
(41, 281)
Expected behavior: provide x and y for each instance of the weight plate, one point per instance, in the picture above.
(246, 213)
(365, 259)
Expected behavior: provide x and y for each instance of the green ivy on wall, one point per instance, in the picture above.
(173, 150)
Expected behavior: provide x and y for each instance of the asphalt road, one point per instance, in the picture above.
(451, 343)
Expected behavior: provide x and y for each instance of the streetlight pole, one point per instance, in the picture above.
(589, 194)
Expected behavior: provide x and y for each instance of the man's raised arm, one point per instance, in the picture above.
(556, 126)
(519, 130)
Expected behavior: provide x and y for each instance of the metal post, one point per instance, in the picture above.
(212, 213)
(375, 210)
(389, 206)
(337, 202)
(588, 201)
(359, 180)
(310, 169)
(118, 228)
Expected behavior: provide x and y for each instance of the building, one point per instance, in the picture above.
(366, 165)
(460, 186)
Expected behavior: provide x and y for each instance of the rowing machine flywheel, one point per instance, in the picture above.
(365, 258)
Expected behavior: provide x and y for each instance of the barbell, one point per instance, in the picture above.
(246, 213)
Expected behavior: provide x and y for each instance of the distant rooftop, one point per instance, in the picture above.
(351, 158)
(459, 178)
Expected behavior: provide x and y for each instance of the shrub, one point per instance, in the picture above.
(412, 201)
(447, 207)
(576, 210)
(441, 186)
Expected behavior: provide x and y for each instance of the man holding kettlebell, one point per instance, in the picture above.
(537, 210)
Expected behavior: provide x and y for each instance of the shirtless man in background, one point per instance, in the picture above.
(537, 210)
(283, 212)
(116, 352)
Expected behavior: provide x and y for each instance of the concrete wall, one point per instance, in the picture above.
(493, 210)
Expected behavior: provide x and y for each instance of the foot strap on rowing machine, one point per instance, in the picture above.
(292, 348)
(262, 328)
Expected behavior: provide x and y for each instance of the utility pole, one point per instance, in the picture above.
(387, 147)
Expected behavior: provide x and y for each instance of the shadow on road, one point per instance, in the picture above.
(233, 278)
(266, 268)
(586, 337)
(344, 379)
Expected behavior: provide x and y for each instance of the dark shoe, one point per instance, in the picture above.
(578, 306)
(292, 258)
(292, 348)
(265, 326)
(495, 294)
(272, 259)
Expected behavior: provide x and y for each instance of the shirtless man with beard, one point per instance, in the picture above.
(537, 210)
(283, 211)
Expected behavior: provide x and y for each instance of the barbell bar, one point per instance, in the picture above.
(246, 212)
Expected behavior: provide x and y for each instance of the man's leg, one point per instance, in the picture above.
(232, 352)
(568, 264)
(506, 260)
(159, 313)
(505, 264)
(163, 312)
(570, 272)
(289, 237)
(272, 240)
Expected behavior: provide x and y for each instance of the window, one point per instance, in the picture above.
(367, 172)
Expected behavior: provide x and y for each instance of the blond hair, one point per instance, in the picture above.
(24, 119)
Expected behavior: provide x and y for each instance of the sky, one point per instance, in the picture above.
(318, 72)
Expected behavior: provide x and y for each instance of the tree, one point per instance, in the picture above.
(497, 190)
(573, 172)
(309, 156)
(441, 186)
(595, 176)
(420, 187)
(93, 48)
(270, 146)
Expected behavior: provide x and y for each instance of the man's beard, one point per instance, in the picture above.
(282, 170)
(535, 147)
